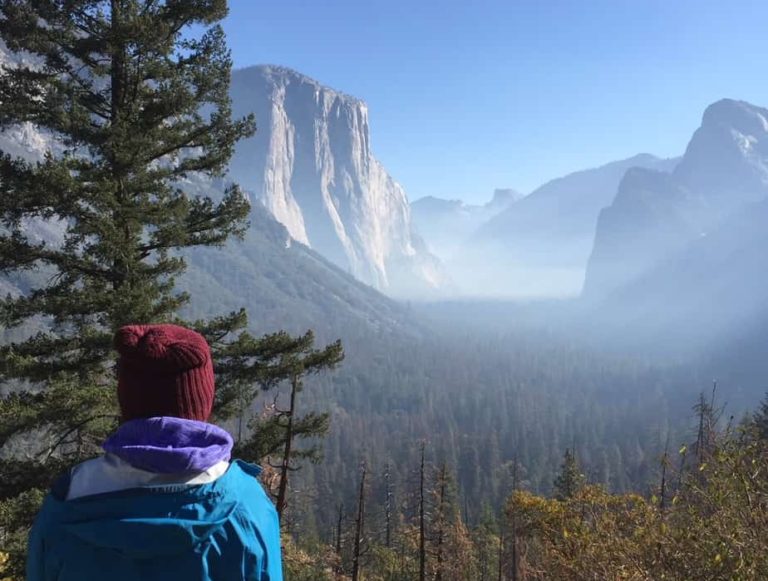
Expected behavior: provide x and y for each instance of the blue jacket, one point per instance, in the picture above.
(225, 530)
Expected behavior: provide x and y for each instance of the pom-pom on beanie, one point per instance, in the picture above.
(163, 370)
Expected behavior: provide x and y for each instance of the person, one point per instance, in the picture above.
(164, 502)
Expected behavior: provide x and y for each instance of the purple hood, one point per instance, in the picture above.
(167, 445)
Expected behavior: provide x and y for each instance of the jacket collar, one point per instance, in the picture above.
(169, 445)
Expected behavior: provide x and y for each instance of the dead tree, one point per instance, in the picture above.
(513, 523)
(338, 569)
(422, 521)
(359, 525)
(440, 533)
(388, 506)
(501, 551)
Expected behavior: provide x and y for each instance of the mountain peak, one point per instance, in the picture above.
(311, 166)
(281, 73)
(655, 216)
(746, 118)
(727, 156)
(435, 204)
(504, 196)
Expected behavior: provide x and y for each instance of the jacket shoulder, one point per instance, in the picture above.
(247, 481)
(257, 508)
(250, 469)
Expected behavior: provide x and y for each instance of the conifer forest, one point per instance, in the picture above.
(403, 437)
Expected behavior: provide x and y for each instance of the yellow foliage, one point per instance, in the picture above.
(716, 526)
(5, 559)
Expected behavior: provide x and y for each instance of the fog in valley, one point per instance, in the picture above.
(595, 308)
(590, 312)
(501, 334)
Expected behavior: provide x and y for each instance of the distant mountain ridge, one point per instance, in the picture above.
(656, 215)
(311, 165)
(540, 245)
(446, 224)
(679, 256)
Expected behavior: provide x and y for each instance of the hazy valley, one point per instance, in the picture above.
(587, 314)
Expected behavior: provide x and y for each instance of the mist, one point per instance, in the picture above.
(579, 322)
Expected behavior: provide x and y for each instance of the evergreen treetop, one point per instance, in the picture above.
(134, 98)
(570, 479)
(138, 104)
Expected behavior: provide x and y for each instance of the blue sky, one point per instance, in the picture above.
(466, 96)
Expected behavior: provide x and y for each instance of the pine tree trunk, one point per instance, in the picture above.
(700, 434)
(514, 523)
(282, 493)
(422, 531)
(359, 523)
(117, 88)
(663, 487)
(441, 525)
(388, 508)
(339, 567)
(118, 64)
(501, 553)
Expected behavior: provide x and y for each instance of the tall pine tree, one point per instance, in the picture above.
(570, 479)
(135, 95)
(275, 436)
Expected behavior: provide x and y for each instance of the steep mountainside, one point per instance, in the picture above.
(656, 216)
(540, 245)
(286, 285)
(446, 224)
(282, 283)
(311, 165)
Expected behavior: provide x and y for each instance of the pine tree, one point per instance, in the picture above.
(708, 417)
(570, 480)
(513, 521)
(422, 517)
(121, 85)
(451, 549)
(388, 505)
(442, 521)
(287, 359)
(136, 96)
(357, 549)
(759, 419)
(338, 546)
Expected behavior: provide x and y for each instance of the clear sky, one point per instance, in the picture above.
(469, 95)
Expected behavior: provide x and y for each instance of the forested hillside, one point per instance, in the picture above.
(480, 402)
(704, 516)
(450, 441)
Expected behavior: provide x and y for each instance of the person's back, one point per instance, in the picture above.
(164, 502)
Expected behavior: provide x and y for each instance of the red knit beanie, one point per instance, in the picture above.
(163, 370)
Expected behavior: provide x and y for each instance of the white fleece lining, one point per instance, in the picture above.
(109, 473)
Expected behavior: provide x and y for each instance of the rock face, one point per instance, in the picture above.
(656, 217)
(283, 284)
(447, 224)
(286, 285)
(540, 245)
(310, 164)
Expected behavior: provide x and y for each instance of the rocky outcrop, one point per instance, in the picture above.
(310, 164)
(283, 285)
(646, 219)
(540, 245)
(657, 216)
